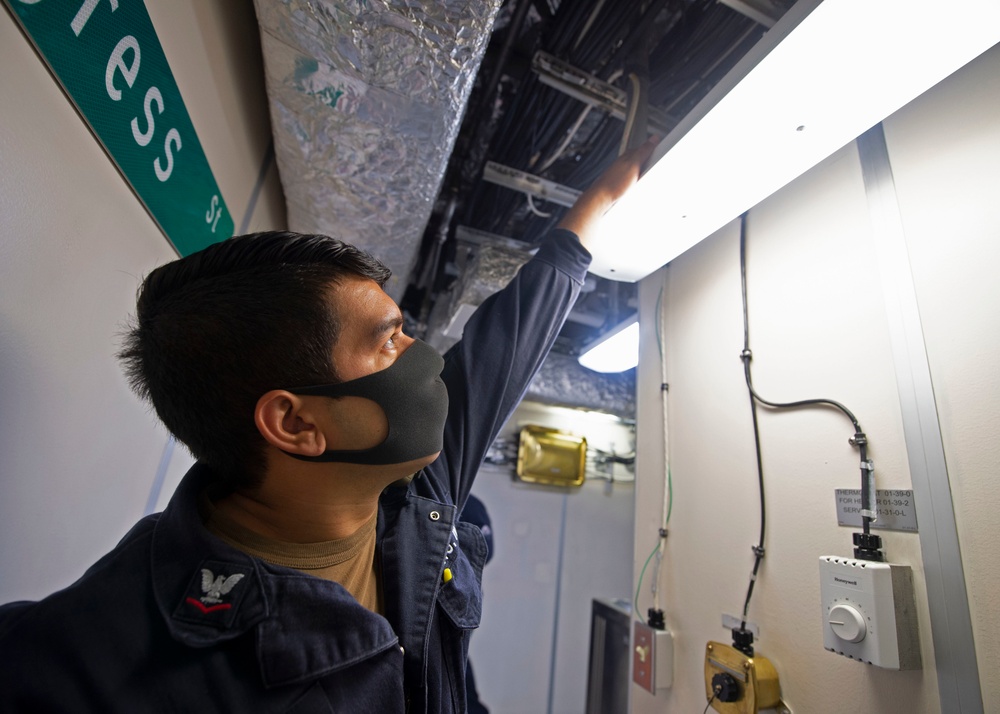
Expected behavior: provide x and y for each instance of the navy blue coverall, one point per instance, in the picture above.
(164, 623)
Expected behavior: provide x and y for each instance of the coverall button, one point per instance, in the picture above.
(435, 516)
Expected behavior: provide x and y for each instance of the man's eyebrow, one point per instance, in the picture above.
(392, 323)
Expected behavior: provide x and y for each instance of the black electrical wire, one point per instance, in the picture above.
(600, 37)
(714, 695)
(610, 30)
(859, 439)
(516, 120)
(759, 548)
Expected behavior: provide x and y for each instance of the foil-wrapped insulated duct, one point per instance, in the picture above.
(366, 101)
(562, 381)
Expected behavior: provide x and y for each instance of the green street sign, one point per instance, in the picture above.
(107, 57)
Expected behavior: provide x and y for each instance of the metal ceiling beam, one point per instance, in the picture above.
(763, 12)
(530, 184)
(591, 90)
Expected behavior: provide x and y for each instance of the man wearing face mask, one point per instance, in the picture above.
(311, 560)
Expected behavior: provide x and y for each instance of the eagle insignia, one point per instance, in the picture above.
(215, 587)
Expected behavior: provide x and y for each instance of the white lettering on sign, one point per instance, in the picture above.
(84, 13)
(214, 213)
(173, 136)
(143, 138)
(117, 61)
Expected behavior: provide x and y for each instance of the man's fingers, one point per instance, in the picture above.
(640, 154)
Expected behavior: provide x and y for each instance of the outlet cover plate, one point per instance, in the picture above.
(652, 657)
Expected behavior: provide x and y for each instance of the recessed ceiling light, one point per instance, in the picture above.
(614, 351)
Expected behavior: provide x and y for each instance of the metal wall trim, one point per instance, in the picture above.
(555, 614)
(161, 474)
(948, 601)
(265, 166)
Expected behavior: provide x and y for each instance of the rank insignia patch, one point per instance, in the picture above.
(214, 593)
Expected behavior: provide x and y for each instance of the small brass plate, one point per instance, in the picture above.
(551, 456)
(756, 677)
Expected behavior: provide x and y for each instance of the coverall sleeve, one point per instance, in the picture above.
(502, 347)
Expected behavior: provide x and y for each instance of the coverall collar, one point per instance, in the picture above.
(209, 592)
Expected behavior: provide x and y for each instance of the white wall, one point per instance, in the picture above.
(78, 452)
(511, 652)
(818, 329)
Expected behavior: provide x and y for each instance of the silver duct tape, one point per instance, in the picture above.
(484, 270)
(489, 271)
(366, 102)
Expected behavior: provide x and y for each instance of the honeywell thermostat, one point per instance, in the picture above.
(869, 612)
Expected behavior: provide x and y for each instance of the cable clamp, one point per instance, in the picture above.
(858, 439)
(758, 550)
(664, 387)
(746, 354)
(868, 465)
(664, 533)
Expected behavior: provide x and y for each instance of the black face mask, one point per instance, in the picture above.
(415, 402)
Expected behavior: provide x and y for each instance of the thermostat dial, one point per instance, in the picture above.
(847, 623)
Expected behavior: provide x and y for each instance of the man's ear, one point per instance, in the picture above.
(292, 423)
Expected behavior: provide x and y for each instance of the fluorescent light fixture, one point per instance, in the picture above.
(614, 351)
(824, 74)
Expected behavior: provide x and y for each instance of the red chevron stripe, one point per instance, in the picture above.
(206, 610)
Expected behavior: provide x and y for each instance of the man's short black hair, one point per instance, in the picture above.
(216, 330)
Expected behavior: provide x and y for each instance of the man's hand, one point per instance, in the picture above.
(593, 203)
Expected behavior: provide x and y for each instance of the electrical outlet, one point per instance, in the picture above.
(652, 657)
(869, 612)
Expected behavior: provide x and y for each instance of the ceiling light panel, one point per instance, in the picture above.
(616, 351)
(827, 72)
